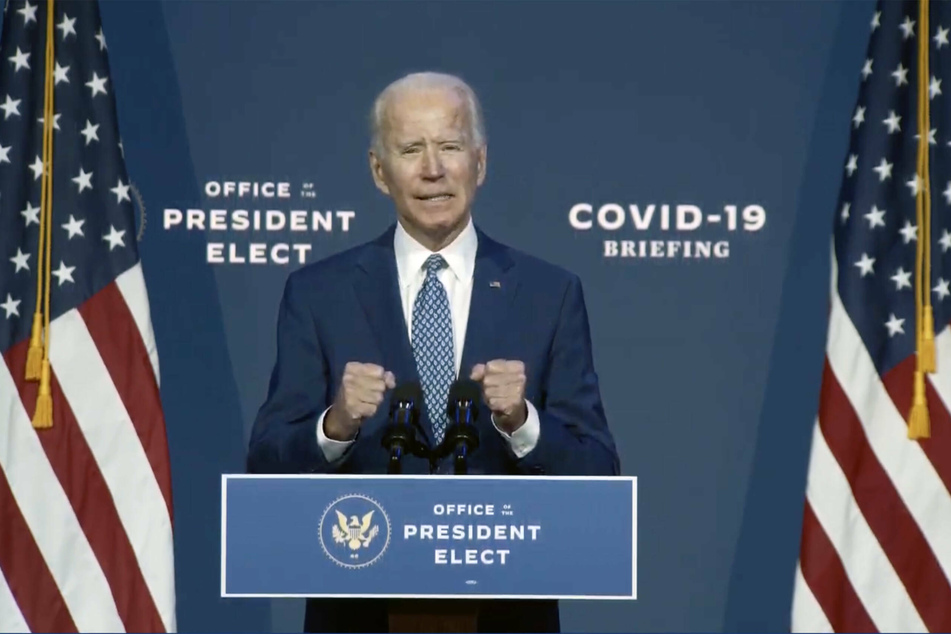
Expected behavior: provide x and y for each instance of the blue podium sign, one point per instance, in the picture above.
(406, 536)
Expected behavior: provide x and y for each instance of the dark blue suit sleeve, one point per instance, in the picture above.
(574, 439)
(284, 435)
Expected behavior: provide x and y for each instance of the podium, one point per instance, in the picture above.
(435, 547)
(433, 615)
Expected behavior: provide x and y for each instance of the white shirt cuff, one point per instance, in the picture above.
(523, 439)
(333, 449)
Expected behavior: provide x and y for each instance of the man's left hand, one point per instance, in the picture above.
(503, 389)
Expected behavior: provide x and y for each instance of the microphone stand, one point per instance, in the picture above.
(462, 437)
(400, 436)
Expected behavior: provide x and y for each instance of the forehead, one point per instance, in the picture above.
(426, 112)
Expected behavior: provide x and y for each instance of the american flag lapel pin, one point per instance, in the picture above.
(495, 284)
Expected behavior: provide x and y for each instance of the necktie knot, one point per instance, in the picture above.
(434, 264)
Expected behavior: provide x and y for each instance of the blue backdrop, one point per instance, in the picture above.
(710, 366)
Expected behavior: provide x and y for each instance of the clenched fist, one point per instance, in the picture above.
(361, 392)
(503, 389)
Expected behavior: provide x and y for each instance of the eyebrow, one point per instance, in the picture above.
(408, 144)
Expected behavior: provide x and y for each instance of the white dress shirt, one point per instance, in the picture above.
(457, 279)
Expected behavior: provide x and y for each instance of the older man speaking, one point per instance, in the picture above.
(431, 300)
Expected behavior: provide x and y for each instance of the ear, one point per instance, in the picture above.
(482, 156)
(377, 171)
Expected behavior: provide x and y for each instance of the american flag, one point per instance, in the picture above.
(875, 552)
(85, 505)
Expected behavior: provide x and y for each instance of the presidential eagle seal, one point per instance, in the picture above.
(354, 531)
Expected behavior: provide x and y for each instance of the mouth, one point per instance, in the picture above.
(435, 198)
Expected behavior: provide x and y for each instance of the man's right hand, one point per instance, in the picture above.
(361, 392)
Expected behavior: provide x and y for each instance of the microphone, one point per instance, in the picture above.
(399, 438)
(462, 436)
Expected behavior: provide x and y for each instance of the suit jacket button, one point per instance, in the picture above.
(538, 470)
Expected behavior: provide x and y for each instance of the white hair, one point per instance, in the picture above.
(423, 81)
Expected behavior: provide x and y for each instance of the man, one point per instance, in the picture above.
(400, 308)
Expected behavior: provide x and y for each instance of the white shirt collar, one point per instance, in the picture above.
(460, 254)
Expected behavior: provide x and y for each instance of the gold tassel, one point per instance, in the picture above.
(926, 353)
(919, 425)
(40, 335)
(34, 358)
(43, 418)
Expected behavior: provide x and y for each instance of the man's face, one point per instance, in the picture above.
(430, 165)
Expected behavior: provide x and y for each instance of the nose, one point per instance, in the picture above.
(432, 165)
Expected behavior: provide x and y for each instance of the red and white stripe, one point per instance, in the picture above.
(876, 538)
(85, 507)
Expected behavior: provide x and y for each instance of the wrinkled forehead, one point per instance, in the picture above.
(426, 113)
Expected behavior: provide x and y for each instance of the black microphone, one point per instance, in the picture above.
(462, 437)
(405, 404)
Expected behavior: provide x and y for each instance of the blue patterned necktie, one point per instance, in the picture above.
(432, 345)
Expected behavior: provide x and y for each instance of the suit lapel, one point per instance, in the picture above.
(377, 288)
(494, 286)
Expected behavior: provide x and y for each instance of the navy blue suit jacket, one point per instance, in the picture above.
(347, 308)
